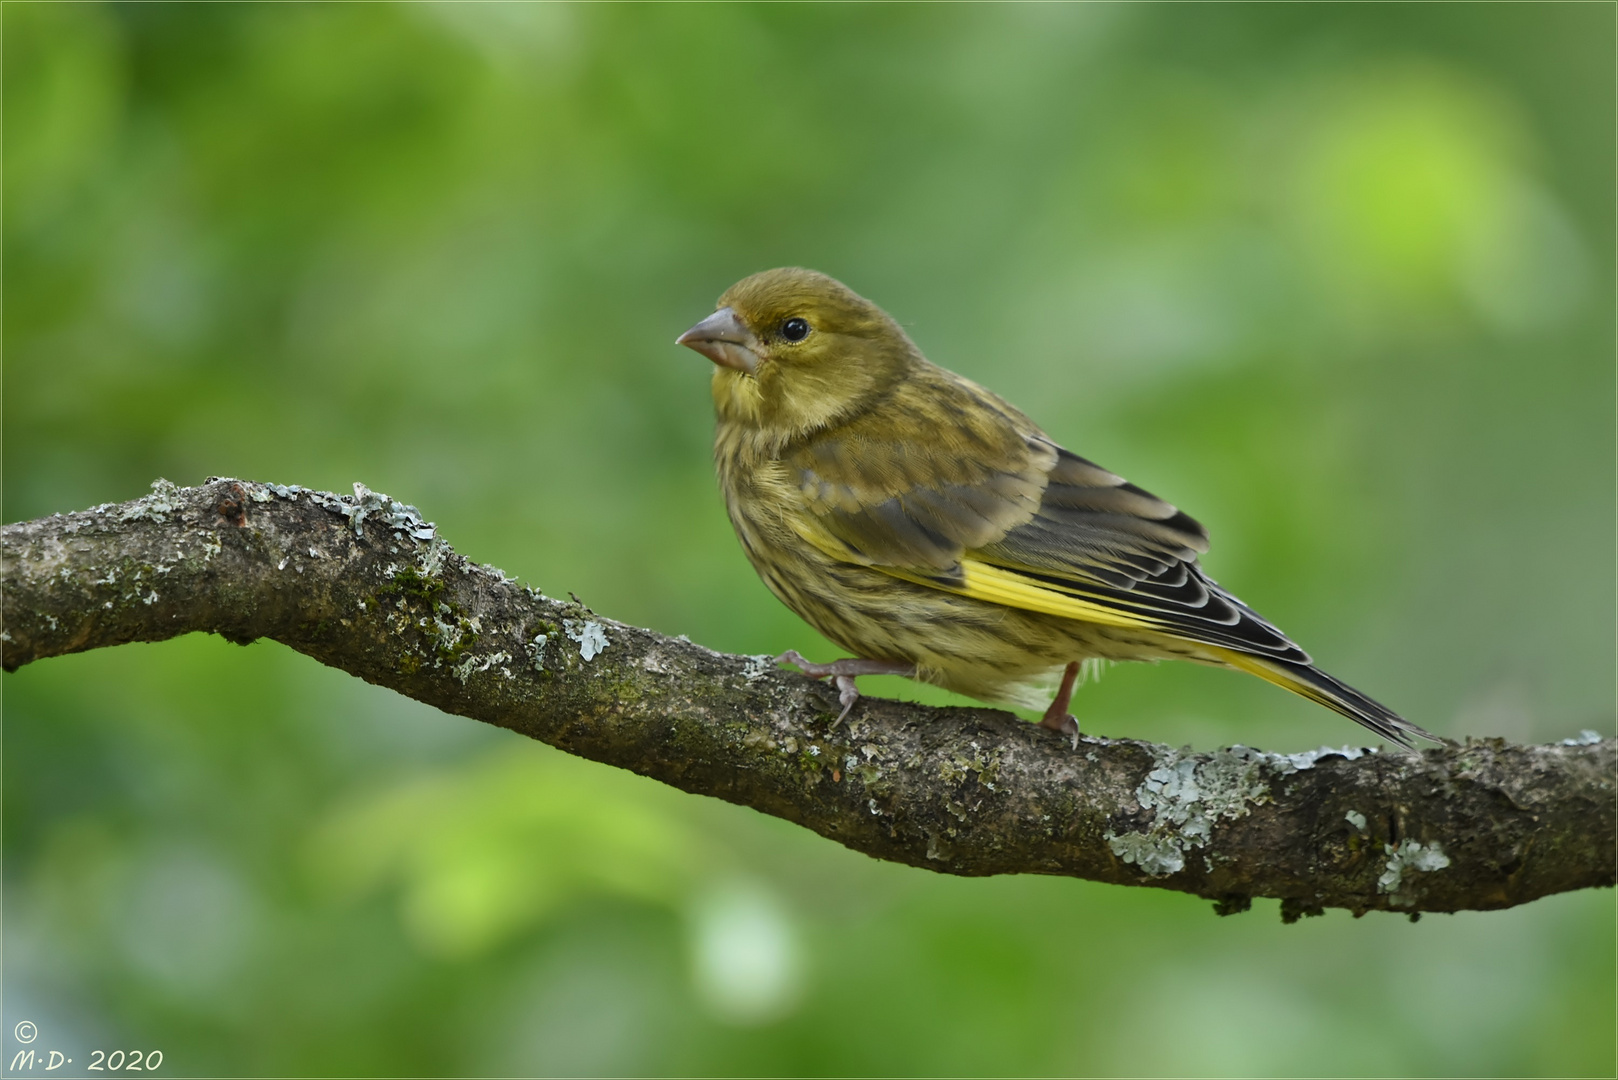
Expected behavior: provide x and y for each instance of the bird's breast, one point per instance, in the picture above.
(760, 497)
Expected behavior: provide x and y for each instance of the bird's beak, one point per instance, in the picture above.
(724, 339)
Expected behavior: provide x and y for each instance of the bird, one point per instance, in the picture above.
(934, 531)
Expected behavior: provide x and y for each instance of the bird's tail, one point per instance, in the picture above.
(1309, 681)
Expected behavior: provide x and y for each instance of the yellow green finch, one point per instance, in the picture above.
(927, 526)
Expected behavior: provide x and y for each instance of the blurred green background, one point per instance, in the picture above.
(1337, 279)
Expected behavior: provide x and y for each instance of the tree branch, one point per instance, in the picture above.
(362, 583)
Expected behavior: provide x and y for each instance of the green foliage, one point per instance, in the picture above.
(1334, 278)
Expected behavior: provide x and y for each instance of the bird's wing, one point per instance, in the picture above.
(979, 502)
(1100, 540)
(955, 490)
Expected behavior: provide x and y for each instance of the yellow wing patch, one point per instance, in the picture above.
(993, 585)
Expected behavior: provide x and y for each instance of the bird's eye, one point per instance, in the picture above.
(795, 329)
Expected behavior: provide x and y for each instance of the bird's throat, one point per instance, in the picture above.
(737, 397)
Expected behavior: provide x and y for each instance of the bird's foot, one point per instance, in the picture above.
(1057, 718)
(842, 673)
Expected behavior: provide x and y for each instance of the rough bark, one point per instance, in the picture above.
(364, 584)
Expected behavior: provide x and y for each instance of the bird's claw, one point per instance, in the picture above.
(1057, 718)
(797, 660)
(847, 695)
(1065, 725)
(842, 673)
(847, 692)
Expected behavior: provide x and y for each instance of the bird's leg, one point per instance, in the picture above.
(842, 673)
(1057, 718)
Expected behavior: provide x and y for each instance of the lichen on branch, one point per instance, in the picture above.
(364, 583)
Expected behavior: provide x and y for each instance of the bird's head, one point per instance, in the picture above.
(796, 350)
